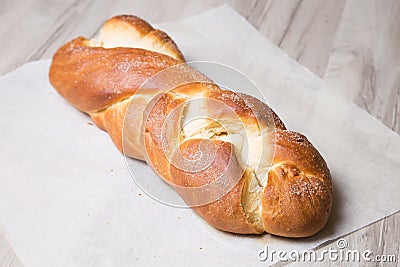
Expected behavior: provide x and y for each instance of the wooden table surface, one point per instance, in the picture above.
(353, 45)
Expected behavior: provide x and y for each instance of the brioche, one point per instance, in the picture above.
(227, 154)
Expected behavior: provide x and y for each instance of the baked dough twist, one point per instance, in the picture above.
(227, 154)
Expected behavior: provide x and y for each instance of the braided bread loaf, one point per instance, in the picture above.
(228, 155)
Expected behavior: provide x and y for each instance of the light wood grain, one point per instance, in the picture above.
(381, 238)
(305, 29)
(28, 26)
(352, 44)
(364, 65)
(57, 21)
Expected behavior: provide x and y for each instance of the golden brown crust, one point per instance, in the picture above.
(159, 111)
(298, 197)
(226, 213)
(157, 132)
(114, 120)
(264, 114)
(93, 78)
(104, 82)
(234, 101)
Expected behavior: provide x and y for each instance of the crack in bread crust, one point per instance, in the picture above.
(278, 182)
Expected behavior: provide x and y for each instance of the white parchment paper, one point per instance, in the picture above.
(66, 197)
